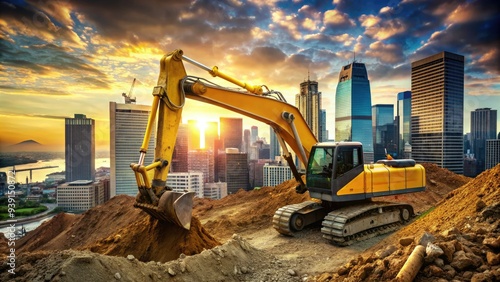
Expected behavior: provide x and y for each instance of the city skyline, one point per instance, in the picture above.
(64, 57)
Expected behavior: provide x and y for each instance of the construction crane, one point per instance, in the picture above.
(128, 98)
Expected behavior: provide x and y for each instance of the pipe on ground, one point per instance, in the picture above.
(412, 265)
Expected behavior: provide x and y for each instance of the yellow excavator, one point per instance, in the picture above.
(336, 177)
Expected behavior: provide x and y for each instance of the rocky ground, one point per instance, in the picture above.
(117, 242)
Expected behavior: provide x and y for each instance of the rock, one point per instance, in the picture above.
(482, 277)
(118, 276)
(461, 261)
(182, 256)
(182, 265)
(492, 211)
(450, 271)
(467, 274)
(130, 257)
(344, 269)
(448, 249)
(244, 270)
(381, 254)
(492, 243)
(426, 238)
(292, 272)
(492, 258)
(171, 272)
(480, 205)
(451, 231)
(432, 251)
(433, 271)
(406, 241)
(439, 262)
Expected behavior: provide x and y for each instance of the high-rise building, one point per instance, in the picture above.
(79, 148)
(353, 108)
(127, 124)
(246, 140)
(322, 126)
(215, 190)
(233, 169)
(437, 87)
(483, 126)
(231, 132)
(492, 153)
(180, 154)
(383, 131)
(211, 134)
(403, 122)
(255, 133)
(274, 144)
(202, 160)
(193, 135)
(80, 195)
(276, 174)
(308, 101)
(186, 181)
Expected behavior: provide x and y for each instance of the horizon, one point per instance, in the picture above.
(77, 57)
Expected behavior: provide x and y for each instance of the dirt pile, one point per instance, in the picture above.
(245, 210)
(464, 229)
(117, 228)
(236, 260)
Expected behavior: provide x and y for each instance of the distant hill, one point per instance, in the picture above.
(26, 146)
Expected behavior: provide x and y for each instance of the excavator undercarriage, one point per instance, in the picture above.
(346, 225)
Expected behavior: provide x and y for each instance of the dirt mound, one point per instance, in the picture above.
(246, 210)
(117, 228)
(236, 260)
(465, 226)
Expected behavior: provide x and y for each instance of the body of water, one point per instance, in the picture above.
(40, 174)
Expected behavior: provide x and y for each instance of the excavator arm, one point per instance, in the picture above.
(173, 87)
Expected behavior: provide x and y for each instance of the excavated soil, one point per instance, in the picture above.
(115, 241)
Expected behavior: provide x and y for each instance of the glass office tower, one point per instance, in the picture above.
(383, 131)
(353, 106)
(404, 120)
(437, 110)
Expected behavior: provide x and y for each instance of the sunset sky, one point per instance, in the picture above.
(61, 57)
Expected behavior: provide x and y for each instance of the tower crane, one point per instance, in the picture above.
(128, 98)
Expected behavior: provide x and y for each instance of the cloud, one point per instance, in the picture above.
(337, 19)
(386, 53)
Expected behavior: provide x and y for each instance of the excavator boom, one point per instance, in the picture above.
(173, 87)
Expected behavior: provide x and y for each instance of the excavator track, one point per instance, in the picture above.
(348, 225)
(285, 215)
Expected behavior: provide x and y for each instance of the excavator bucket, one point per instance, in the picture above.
(173, 207)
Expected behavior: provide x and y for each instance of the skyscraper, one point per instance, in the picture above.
(492, 153)
(231, 132)
(180, 154)
(353, 108)
(79, 148)
(322, 126)
(308, 101)
(127, 124)
(437, 86)
(255, 133)
(274, 145)
(483, 126)
(404, 120)
(383, 130)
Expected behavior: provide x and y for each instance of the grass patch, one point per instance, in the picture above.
(424, 214)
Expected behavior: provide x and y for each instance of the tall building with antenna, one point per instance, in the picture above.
(353, 108)
(308, 101)
(127, 124)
